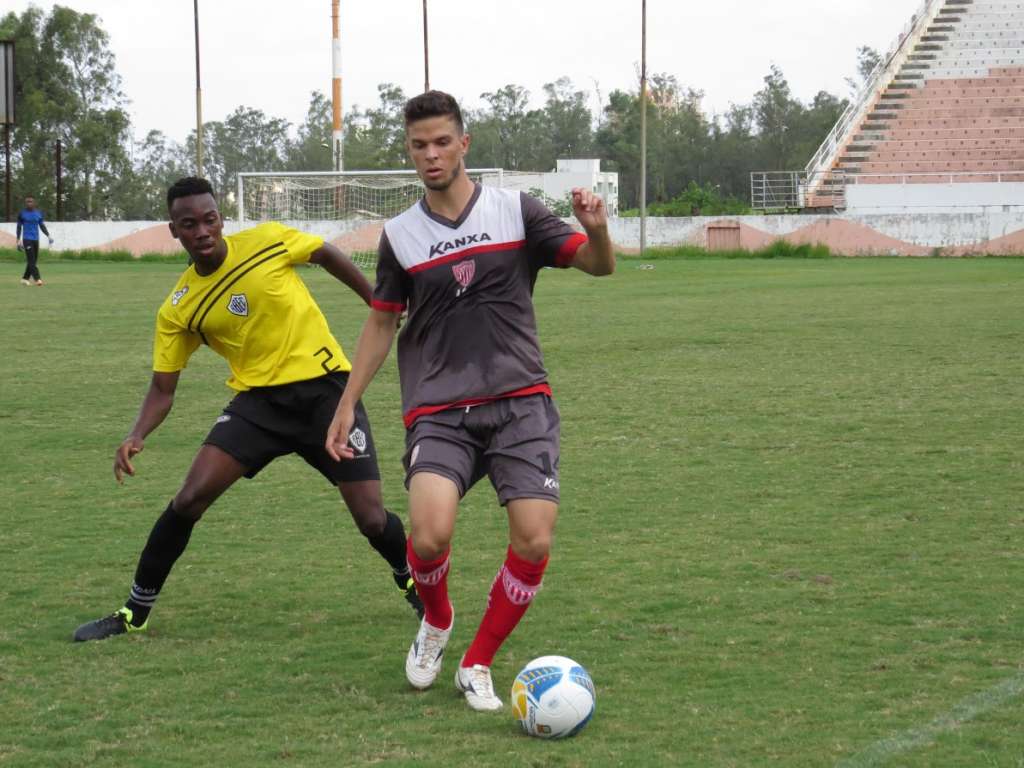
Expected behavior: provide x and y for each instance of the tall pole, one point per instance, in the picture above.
(336, 138)
(199, 98)
(59, 162)
(643, 128)
(426, 51)
(7, 174)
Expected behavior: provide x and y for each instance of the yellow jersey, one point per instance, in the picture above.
(254, 311)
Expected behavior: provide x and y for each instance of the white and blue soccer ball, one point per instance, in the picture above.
(553, 697)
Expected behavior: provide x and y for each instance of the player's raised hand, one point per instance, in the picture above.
(337, 434)
(129, 448)
(589, 209)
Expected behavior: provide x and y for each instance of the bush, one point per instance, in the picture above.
(780, 249)
(696, 200)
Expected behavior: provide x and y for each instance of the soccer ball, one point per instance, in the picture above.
(553, 697)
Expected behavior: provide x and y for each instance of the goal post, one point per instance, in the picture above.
(340, 195)
(348, 207)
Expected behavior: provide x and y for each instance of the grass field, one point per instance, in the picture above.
(791, 534)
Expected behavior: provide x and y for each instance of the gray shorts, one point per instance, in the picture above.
(515, 442)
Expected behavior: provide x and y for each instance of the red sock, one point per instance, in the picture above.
(431, 577)
(511, 594)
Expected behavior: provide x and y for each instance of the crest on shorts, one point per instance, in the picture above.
(238, 305)
(177, 295)
(464, 272)
(358, 439)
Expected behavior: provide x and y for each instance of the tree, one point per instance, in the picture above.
(868, 60)
(567, 122)
(312, 149)
(68, 89)
(375, 138)
(246, 140)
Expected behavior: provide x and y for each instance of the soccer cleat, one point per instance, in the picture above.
(408, 589)
(475, 684)
(25, 282)
(426, 653)
(117, 623)
(39, 282)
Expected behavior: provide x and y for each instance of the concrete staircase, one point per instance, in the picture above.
(951, 104)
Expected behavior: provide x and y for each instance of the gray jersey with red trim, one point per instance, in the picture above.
(471, 333)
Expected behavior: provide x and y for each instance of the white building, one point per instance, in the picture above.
(574, 173)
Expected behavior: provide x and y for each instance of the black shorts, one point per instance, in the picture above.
(263, 423)
(515, 442)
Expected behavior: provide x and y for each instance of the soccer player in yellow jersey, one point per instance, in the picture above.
(242, 297)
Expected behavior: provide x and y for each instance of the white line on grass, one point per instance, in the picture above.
(963, 712)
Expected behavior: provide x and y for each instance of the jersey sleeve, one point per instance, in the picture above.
(391, 293)
(173, 345)
(550, 241)
(300, 245)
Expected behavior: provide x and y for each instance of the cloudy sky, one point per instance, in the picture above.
(271, 55)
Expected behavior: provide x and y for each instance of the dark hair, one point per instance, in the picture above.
(190, 185)
(433, 104)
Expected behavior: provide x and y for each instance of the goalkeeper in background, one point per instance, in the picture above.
(242, 297)
(30, 224)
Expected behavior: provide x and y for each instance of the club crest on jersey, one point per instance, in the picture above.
(442, 247)
(464, 272)
(358, 439)
(176, 296)
(238, 305)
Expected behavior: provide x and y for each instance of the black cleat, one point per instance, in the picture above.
(408, 588)
(117, 623)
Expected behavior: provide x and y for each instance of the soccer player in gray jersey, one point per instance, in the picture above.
(475, 396)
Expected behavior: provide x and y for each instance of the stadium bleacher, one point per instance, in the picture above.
(950, 108)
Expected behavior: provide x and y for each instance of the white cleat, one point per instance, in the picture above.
(475, 684)
(426, 653)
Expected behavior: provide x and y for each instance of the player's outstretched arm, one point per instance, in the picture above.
(341, 266)
(155, 407)
(597, 255)
(374, 345)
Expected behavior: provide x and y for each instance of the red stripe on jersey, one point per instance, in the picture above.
(468, 252)
(387, 306)
(568, 250)
(424, 410)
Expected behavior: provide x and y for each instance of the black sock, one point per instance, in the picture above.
(391, 546)
(167, 541)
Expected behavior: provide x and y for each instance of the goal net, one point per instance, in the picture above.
(347, 206)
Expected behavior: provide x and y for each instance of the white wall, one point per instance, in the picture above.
(933, 198)
(928, 230)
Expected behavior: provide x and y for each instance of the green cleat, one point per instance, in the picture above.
(117, 623)
(408, 588)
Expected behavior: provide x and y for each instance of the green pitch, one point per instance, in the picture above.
(792, 534)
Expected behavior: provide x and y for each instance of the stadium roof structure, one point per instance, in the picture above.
(938, 127)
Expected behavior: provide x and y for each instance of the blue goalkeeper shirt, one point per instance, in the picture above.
(31, 222)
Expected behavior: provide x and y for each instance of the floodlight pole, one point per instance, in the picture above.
(199, 98)
(7, 173)
(336, 136)
(59, 162)
(426, 51)
(643, 128)
(7, 114)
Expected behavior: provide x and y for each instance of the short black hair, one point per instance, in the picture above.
(433, 104)
(186, 187)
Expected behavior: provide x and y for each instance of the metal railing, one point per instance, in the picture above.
(797, 190)
(886, 70)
